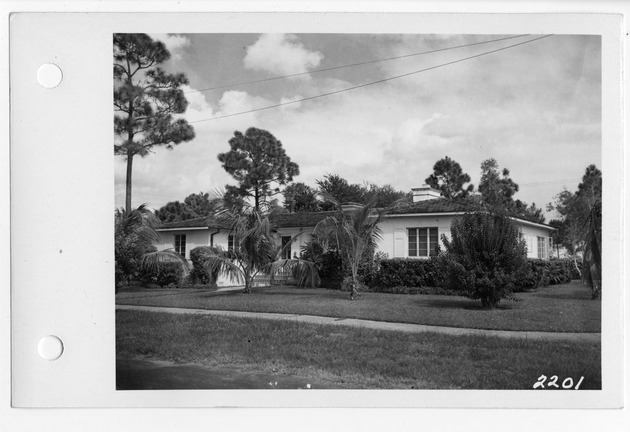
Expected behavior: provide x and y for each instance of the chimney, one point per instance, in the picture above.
(424, 193)
(348, 206)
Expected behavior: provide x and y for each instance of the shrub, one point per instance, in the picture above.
(415, 290)
(346, 285)
(410, 272)
(486, 254)
(370, 267)
(541, 273)
(199, 273)
(167, 274)
(329, 264)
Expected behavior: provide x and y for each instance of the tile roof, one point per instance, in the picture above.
(204, 222)
(310, 219)
(437, 205)
(301, 219)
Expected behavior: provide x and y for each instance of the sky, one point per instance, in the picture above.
(535, 108)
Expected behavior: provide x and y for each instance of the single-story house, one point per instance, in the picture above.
(410, 231)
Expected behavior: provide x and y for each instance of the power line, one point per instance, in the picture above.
(351, 65)
(549, 182)
(370, 83)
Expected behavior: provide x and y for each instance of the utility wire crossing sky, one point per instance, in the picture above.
(373, 82)
(532, 102)
(222, 86)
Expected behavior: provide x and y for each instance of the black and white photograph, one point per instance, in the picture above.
(358, 211)
(329, 218)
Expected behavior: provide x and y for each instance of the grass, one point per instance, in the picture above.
(558, 308)
(354, 357)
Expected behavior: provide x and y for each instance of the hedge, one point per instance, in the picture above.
(409, 272)
(428, 276)
(542, 273)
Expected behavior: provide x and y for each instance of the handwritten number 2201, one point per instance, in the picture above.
(553, 382)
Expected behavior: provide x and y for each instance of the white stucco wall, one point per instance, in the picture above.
(304, 235)
(393, 227)
(194, 238)
(394, 240)
(201, 237)
(531, 234)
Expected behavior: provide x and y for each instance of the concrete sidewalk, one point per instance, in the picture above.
(378, 325)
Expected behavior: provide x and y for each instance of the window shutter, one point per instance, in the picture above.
(399, 243)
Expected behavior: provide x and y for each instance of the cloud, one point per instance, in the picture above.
(281, 54)
(535, 108)
(175, 43)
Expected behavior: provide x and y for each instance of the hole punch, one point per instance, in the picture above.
(49, 75)
(50, 347)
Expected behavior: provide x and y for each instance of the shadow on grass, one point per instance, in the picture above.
(473, 305)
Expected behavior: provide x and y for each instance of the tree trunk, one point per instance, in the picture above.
(256, 198)
(128, 183)
(248, 285)
(354, 287)
(577, 267)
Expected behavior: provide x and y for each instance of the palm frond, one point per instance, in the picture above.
(222, 262)
(153, 260)
(303, 271)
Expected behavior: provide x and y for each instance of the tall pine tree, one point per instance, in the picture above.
(146, 98)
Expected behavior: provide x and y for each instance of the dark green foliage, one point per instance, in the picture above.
(574, 210)
(370, 267)
(496, 187)
(528, 212)
(146, 101)
(449, 179)
(343, 192)
(348, 285)
(354, 234)
(194, 206)
(580, 225)
(165, 275)
(134, 232)
(260, 165)
(299, 197)
(426, 290)
(410, 273)
(199, 273)
(486, 254)
(385, 196)
(329, 264)
(541, 273)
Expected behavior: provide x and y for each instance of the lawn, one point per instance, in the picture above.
(558, 308)
(346, 357)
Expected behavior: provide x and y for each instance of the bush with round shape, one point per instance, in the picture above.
(486, 253)
(199, 273)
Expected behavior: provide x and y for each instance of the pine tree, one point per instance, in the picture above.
(259, 163)
(146, 98)
(449, 179)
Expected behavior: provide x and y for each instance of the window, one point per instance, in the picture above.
(180, 244)
(423, 242)
(230, 242)
(543, 252)
(286, 247)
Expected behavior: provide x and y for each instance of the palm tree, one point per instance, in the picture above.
(255, 251)
(134, 235)
(353, 232)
